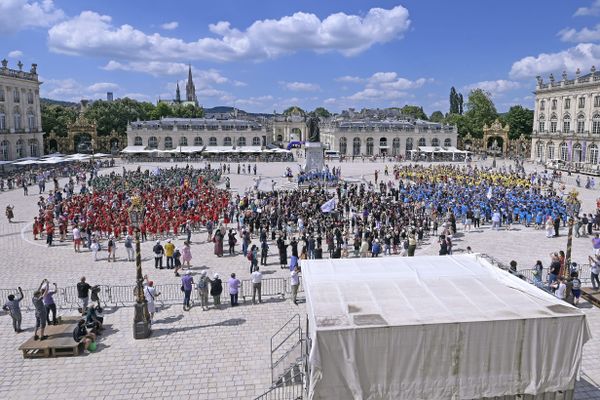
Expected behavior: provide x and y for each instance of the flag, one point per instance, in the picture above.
(328, 206)
(489, 193)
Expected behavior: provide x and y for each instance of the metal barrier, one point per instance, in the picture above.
(269, 287)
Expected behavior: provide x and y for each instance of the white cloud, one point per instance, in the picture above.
(137, 96)
(301, 86)
(15, 54)
(593, 10)
(93, 34)
(169, 26)
(17, 15)
(349, 79)
(581, 56)
(495, 87)
(584, 35)
(102, 87)
(370, 94)
(384, 86)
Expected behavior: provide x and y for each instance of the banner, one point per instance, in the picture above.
(328, 206)
(489, 193)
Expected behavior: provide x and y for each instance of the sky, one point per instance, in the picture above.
(267, 55)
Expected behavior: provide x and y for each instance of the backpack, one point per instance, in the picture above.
(249, 256)
(576, 284)
(202, 284)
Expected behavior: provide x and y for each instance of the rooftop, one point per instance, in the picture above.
(19, 74)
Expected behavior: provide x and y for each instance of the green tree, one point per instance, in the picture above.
(293, 109)
(414, 112)
(520, 120)
(480, 111)
(436, 116)
(57, 118)
(161, 110)
(454, 109)
(460, 103)
(322, 112)
(459, 121)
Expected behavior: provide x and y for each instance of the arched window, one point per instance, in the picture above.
(31, 121)
(16, 96)
(542, 123)
(593, 154)
(577, 152)
(539, 151)
(356, 146)
(447, 142)
(183, 141)
(137, 141)
(30, 97)
(227, 141)
(435, 142)
(396, 146)
(409, 145)
(596, 124)
(198, 141)
(279, 138)
(241, 142)
(20, 147)
(5, 150)
(2, 120)
(152, 142)
(566, 123)
(580, 123)
(370, 146)
(343, 145)
(550, 151)
(168, 143)
(33, 147)
(553, 124)
(564, 152)
(383, 143)
(255, 141)
(212, 141)
(422, 142)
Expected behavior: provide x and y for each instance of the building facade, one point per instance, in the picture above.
(353, 134)
(168, 133)
(20, 116)
(567, 120)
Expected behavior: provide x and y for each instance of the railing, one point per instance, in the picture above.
(123, 295)
(286, 391)
(291, 331)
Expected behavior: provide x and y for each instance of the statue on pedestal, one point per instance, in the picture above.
(314, 135)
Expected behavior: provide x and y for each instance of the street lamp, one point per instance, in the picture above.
(573, 206)
(141, 316)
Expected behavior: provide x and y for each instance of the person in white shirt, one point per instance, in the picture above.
(150, 293)
(561, 289)
(256, 285)
(295, 283)
(77, 239)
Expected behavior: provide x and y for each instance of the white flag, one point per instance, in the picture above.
(489, 193)
(328, 206)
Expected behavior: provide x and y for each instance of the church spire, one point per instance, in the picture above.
(190, 89)
(178, 94)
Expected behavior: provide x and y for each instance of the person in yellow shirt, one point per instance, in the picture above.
(169, 251)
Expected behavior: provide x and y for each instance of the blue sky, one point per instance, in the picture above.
(270, 54)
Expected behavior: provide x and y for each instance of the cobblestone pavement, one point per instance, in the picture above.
(218, 354)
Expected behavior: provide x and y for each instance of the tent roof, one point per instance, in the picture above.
(363, 293)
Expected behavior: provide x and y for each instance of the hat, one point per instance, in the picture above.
(216, 276)
(150, 283)
(188, 272)
(158, 242)
(168, 240)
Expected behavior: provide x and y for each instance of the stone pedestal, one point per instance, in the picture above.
(314, 157)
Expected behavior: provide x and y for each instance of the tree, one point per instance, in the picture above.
(415, 112)
(322, 112)
(57, 118)
(436, 116)
(459, 121)
(480, 111)
(460, 103)
(520, 120)
(453, 101)
(293, 109)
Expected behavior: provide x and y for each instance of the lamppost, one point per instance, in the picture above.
(573, 206)
(141, 316)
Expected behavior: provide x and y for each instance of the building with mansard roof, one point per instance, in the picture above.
(566, 126)
(20, 116)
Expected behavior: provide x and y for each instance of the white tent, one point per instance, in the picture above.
(435, 328)
(133, 149)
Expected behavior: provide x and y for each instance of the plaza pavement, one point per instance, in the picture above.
(218, 354)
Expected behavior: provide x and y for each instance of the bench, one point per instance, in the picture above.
(60, 341)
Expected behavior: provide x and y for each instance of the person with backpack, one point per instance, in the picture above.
(158, 251)
(177, 261)
(150, 293)
(253, 257)
(216, 288)
(129, 248)
(576, 287)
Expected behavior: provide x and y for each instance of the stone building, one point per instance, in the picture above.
(352, 134)
(168, 133)
(20, 116)
(567, 120)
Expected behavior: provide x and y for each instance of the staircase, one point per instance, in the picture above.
(287, 362)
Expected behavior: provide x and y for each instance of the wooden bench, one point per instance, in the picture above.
(60, 341)
(591, 295)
